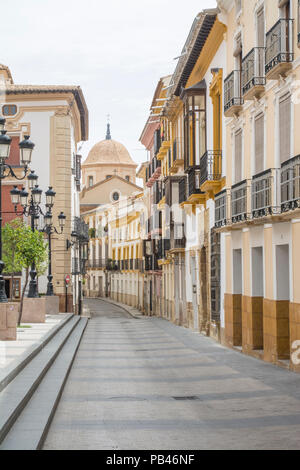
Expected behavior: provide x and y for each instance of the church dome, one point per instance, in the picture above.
(109, 152)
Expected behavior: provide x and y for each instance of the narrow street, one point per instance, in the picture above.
(147, 384)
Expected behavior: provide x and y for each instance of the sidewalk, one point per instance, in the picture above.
(134, 312)
(15, 354)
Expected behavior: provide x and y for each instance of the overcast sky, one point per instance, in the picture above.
(116, 50)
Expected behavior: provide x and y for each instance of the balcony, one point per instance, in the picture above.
(263, 188)
(233, 100)
(290, 184)
(211, 172)
(113, 265)
(81, 229)
(178, 240)
(279, 49)
(154, 171)
(239, 202)
(194, 193)
(253, 73)
(96, 263)
(221, 209)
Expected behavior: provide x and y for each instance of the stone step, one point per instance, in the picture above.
(8, 373)
(30, 429)
(18, 392)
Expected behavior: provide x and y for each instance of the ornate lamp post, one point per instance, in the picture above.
(34, 210)
(30, 209)
(49, 229)
(26, 148)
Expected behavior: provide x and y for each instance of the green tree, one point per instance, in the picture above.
(31, 249)
(12, 233)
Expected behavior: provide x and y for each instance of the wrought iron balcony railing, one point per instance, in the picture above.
(253, 70)
(221, 209)
(279, 45)
(239, 202)
(233, 92)
(210, 166)
(290, 184)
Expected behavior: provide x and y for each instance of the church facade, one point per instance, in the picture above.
(109, 178)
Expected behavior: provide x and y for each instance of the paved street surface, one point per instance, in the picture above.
(147, 384)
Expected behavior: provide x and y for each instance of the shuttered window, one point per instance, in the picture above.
(259, 144)
(238, 156)
(260, 25)
(285, 128)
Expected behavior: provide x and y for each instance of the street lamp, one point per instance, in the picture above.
(33, 209)
(30, 208)
(49, 229)
(26, 148)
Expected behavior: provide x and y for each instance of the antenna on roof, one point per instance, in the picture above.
(108, 136)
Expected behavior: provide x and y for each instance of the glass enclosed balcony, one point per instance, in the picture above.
(290, 184)
(221, 209)
(279, 49)
(233, 100)
(239, 202)
(264, 194)
(253, 73)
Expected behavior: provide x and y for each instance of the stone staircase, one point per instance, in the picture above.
(29, 398)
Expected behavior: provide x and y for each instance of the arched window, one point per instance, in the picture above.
(91, 181)
(127, 178)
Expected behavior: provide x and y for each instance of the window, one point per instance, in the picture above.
(91, 181)
(285, 127)
(116, 196)
(238, 141)
(108, 176)
(127, 178)
(259, 143)
(9, 110)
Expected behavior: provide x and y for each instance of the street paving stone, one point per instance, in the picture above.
(179, 391)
